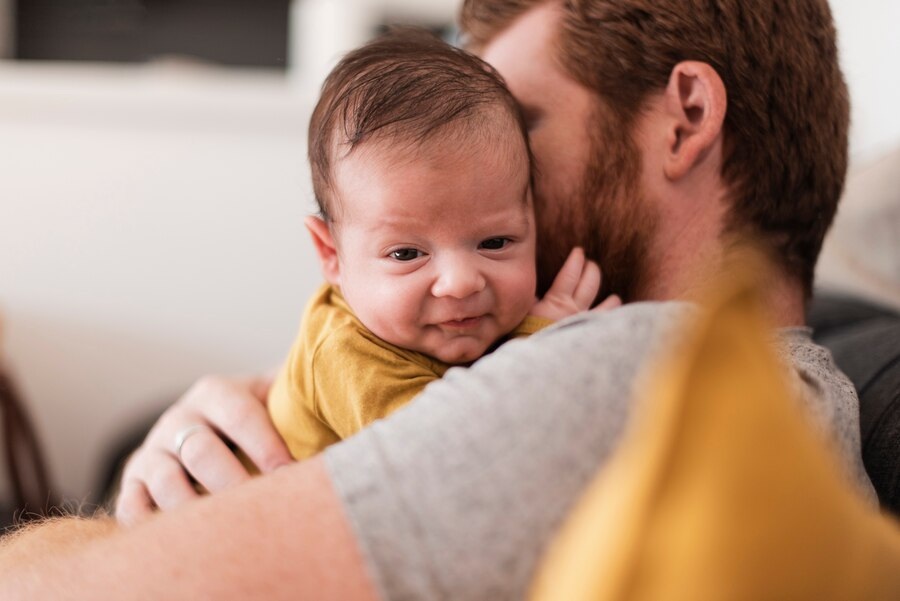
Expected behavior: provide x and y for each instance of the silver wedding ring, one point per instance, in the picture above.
(183, 435)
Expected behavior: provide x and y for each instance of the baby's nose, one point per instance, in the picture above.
(458, 279)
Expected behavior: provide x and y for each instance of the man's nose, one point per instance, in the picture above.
(458, 278)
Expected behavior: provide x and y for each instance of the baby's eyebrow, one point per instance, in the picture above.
(512, 223)
(391, 221)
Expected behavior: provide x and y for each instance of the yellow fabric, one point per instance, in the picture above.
(530, 325)
(722, 491)
(339, 377)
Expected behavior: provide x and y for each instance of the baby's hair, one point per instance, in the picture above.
(405, 87)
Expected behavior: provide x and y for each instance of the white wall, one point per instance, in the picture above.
(861, 254)
(150, 231)
(151, 223)
(869, 40)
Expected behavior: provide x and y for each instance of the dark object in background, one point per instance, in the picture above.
(24, 460)
(865, 341)
(248, 33)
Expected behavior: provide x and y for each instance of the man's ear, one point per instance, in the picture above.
(323, 240)
(695, 101)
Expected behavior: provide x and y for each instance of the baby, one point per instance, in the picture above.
(426, 237)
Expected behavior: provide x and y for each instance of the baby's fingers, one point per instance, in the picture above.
(568, 279)
(588, 286)
(611, 302)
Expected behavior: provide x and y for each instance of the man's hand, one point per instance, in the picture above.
(573, 290)
(156, 475)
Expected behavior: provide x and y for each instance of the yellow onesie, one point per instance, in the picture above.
(339, 377)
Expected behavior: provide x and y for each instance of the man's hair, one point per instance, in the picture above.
(406, 86)
(785, 132)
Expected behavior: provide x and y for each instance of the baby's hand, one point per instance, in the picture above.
(574, 289)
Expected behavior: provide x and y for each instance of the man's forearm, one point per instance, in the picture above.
(37, 542)
(281, 536)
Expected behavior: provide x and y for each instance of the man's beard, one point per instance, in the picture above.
(610, 217)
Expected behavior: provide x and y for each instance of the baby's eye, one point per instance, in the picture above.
(405, 254)
(494, 243)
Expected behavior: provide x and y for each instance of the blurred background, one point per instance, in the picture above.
(153, 184)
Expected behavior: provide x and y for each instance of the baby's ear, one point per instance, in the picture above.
(323, 240)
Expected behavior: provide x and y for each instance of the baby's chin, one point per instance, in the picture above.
(459, 354)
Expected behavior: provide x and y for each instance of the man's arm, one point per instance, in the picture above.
(54, 536)
(282, 536)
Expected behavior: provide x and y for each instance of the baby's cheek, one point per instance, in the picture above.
(408, 316)
(393, 326)
(520, 299)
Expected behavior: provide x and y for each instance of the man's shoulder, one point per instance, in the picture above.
(631, 329)
(814, 371)
(548, 408)
(534, 420)
(589, 359)
(641, 314)
(828, 397)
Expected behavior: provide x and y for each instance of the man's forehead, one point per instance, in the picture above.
(482, 20)
(526, 47)
(534, 29)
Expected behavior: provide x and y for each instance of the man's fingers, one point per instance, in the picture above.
(263, 446)
(209, 460)
(566, 281)
(247, 424)
(133, 504)
(233, 407)
(168, 484)
(239, 412)
(588, 286)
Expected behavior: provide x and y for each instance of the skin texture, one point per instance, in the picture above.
(679, 137)
(433, 248)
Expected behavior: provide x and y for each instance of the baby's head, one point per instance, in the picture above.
(422, 172)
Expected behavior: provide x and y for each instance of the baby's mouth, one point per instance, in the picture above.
(464, 323)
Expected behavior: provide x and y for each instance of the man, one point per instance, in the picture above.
(662, 132)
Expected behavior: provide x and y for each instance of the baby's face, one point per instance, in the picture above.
(436, 249)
